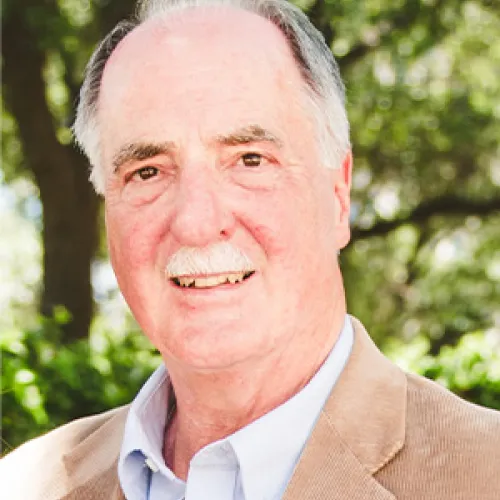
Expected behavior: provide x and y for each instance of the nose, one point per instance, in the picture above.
(201, 214)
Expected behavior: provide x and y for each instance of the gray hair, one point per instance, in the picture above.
(320, 72)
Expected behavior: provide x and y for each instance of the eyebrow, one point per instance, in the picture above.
(247, 135)
(138, 151)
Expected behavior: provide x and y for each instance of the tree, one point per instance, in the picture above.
(422, 84)
(424, 114)
(41, 38)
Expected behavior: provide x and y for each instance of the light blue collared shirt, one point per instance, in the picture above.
(254, 463)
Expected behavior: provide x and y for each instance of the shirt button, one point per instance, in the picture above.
(149, 462)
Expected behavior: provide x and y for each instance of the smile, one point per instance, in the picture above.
(211, 281)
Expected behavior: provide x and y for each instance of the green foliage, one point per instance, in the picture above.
(471, 369)
(45, 384)
(423, 102)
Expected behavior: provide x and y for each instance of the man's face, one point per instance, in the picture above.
(206, 138)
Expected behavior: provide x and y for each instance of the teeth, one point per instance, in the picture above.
(186, 281)
(211, 281)
(207, 282)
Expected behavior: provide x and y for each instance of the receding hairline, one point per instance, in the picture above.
(175, 22)
(162, 27)
(324, 89)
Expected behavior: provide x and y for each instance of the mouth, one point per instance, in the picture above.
(212, 281)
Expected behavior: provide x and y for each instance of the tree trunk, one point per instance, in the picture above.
(70, 207)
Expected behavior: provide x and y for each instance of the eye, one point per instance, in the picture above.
(146, 173)
(252, 160)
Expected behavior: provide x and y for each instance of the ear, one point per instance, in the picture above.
(342, 189)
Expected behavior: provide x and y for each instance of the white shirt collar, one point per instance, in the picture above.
(272, 443)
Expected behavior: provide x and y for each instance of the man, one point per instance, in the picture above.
(218, 137)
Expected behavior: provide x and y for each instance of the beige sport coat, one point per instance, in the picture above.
(382, 434)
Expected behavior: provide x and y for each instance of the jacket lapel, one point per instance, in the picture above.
(117, 493)
(360, 429)
(91, 467)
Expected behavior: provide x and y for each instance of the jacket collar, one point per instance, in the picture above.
(91, 467)
(361, 428)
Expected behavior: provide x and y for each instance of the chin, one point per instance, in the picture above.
(212, 346)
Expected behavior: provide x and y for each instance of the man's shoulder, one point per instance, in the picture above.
(451, 447)
(66, 437)
(436, 409)
(49, 459)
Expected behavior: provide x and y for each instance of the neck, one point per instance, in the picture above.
(212, 406)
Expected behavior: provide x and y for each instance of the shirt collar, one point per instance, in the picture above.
(144, 435)
(272, 443)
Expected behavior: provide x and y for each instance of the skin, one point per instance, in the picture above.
(186, 88)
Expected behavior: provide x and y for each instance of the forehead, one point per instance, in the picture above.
(200, 66)
(206, 29)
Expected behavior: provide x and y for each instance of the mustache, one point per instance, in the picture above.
(219, 258)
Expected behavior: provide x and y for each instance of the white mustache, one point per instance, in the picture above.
(218, 258)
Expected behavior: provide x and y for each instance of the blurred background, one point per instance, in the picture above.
(422, 270)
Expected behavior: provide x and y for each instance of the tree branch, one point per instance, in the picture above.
(446, 205)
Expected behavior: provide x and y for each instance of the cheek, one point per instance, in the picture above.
(283, 222)
(287, 247)
(273, 238)
(133, 241)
